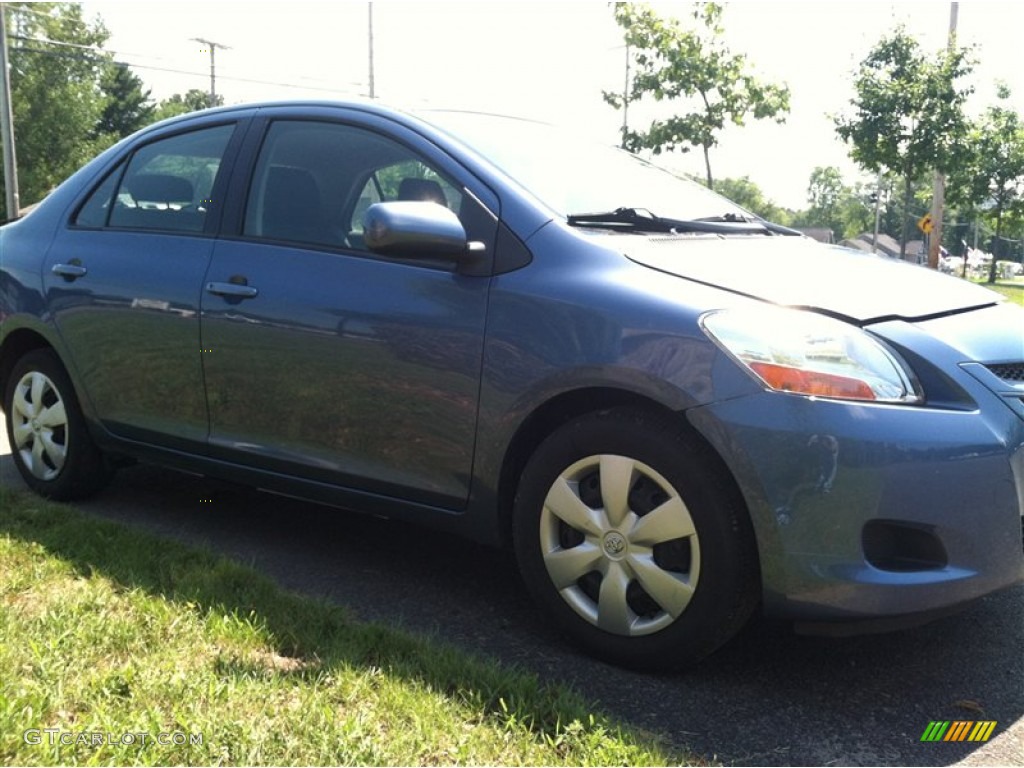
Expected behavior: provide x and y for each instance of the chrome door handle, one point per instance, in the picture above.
(234, 290)
(69, 271)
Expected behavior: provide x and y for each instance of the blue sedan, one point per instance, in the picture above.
(675, 413)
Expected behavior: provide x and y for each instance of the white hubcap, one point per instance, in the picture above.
(620, 545)
(40, 426)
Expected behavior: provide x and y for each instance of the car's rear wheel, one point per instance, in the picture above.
(629, 534)
(52, 447)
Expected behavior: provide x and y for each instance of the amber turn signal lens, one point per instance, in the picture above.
(786, 379)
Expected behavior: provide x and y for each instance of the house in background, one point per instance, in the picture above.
(821, 234)
(889, 247)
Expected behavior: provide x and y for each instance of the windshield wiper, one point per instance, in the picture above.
(771, 226)
(642, 220)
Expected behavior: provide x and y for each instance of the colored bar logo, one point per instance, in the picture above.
(958, 730)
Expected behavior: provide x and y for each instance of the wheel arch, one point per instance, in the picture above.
(16, 345)
(565, 407)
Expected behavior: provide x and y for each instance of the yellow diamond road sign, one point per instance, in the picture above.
(925, 223)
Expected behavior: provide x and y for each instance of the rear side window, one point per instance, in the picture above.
(167, 185)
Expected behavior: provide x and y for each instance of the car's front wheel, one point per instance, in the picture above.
(628, 533)
(52, 447)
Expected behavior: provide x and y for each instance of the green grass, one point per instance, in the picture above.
(106, 630)
(1013, 291)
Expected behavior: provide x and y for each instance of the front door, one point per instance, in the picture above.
(325, 361)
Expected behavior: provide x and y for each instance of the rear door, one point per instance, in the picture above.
(323, 360)
(123, 282)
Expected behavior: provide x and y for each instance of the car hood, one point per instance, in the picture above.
(800, 272)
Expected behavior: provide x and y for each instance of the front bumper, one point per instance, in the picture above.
(866, 511)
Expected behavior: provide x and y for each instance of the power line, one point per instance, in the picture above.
(93, 48)
(232, 78)
(328, 87)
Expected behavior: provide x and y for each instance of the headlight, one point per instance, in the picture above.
(808, 354)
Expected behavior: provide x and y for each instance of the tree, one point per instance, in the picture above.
(673, 63)
(907, 113)
(748, 195)
(993, 174)
(825, 190)
(179, 104)
(55, 94)
(855, 212)
(846, 209)
(128, 107)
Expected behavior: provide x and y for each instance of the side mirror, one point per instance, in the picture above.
(413, 229)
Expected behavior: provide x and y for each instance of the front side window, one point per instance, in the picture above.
(406, 180)
(314, 181)
(167, 185)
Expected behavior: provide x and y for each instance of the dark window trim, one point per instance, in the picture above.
(435, 265)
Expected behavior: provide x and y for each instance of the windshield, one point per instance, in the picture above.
(573, 176)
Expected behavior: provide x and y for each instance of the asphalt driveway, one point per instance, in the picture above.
(768, 698)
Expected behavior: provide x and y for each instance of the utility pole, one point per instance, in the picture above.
(7, 125)
(369, 11)
(939, 185)
(625, 100)
(213, 66)
(878, 211)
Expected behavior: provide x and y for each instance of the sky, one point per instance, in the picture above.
(552, 60)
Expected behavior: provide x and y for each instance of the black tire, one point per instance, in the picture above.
(698, 554)
(52, 449)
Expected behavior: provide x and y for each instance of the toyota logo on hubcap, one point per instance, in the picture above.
(614, 544)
